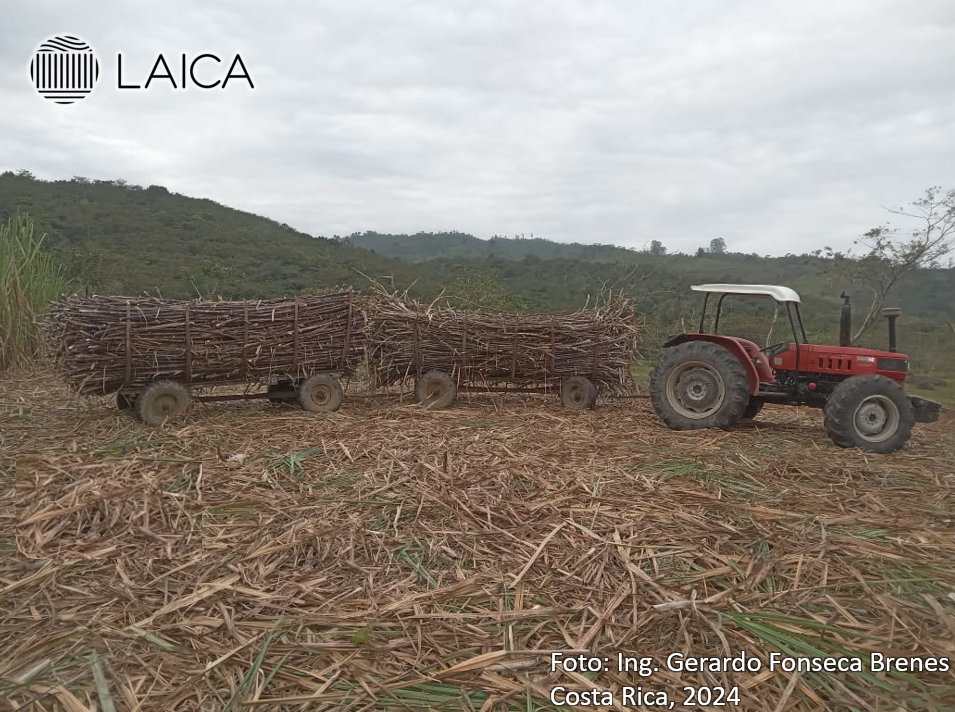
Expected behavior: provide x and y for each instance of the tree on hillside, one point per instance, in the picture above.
(210, 278)
(717, 246)
(888, 256)
(657, 248)
(86, 270)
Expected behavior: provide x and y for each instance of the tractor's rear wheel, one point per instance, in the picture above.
(699, 384)
(578, 393)
(870, 412)
(321, 393)
(435, 390)
(162, 400)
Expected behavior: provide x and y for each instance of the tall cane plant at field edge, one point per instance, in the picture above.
(29, 280)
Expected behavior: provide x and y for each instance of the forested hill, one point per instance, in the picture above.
(126, 239)
(119, 238)
(424, 246)
(928, 293)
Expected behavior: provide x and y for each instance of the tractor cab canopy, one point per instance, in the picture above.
(782, 295)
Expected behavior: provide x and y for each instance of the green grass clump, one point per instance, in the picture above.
(29, 280)
(942, 390)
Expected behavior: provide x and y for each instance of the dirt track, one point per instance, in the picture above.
(391, 558)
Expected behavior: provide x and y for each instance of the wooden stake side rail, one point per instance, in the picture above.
(514, 356)
(295, 337)
(128, 352)
(245, 340)
(188, 349)
(348, 329)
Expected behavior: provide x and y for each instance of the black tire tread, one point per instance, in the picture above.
(752, 409)
(735, 382)
(848, 395)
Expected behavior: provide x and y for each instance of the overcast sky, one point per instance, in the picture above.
(780, 126)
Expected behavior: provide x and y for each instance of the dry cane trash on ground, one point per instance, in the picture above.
(103, 507)
(393, 558)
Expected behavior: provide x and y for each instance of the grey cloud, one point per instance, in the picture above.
(782, 127)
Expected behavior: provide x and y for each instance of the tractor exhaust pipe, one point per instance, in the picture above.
(845, 322)
(892, 314)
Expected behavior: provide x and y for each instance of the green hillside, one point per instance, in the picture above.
(120, 238)
(124, 239)
(929, 293)
(424, 246)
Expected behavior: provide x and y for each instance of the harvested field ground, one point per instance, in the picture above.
(390, 558)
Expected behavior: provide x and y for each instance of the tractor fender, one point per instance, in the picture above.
(735, 346)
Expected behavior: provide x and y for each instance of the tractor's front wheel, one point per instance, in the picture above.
(699, 384)
(870, 412)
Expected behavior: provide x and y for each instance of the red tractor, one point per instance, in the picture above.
(706, 380)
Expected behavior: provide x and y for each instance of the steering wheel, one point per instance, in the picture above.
(775, 349)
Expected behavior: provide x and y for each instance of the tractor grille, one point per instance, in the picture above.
(830, 363)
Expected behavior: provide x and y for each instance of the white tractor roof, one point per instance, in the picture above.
(780, 294)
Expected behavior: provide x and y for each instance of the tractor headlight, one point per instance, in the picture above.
(892, 364)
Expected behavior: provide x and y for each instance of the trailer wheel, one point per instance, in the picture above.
(578, 393)
(161, 400)
(752, 409)
(699, 384)
(126, 401)
(436, 390)
(321, 393)
(870, 412)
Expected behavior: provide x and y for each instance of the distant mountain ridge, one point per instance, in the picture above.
(928, 293)
(424, 246)
(119, 238)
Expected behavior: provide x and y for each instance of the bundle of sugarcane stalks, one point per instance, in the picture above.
(484, 348)
(105, 344)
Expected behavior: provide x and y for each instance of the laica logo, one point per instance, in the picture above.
(64, 69)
